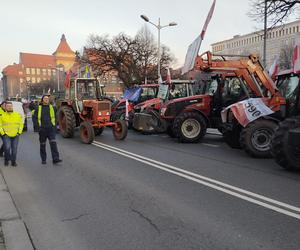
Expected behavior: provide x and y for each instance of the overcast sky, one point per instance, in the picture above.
(36, 26)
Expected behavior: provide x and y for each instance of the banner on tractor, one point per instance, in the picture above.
(247, 111)
(133, 94)
(163, 91)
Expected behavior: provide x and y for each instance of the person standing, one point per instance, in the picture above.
(47, 129)
(11, 126)
(2, 110)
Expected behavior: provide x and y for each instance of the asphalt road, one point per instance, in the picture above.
(150, 192)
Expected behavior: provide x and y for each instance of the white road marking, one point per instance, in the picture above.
(215, 184)
(211, 145)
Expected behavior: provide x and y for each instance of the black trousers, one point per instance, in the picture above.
(48, 133)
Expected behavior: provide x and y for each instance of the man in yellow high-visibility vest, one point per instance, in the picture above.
(46, 121)
(11, 126)
(2, 110)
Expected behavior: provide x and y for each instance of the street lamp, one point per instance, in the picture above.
(159, 27)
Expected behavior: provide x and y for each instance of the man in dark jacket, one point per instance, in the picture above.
(45, 115)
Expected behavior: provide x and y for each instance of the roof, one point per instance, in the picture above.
(12, 70)
(37, 60)
(63, 46)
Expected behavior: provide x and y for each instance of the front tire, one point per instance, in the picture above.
(285, 155)
(256, 138)
(66, 121)
(189, 127)
(87, 134)
(120, 130)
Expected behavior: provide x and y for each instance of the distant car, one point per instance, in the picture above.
(19, 107)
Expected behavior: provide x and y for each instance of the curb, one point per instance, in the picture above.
(13, 228)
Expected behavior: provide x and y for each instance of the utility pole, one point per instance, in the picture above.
(265, 36)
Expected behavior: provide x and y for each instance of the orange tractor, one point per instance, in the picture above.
(86, 107)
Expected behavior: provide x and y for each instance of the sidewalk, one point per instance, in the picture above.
(13, 233)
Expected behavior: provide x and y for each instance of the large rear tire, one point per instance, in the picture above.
(120, 130)
(87, 133)
(256, 138)
(66, 121)
(285, 155)
(189, 127)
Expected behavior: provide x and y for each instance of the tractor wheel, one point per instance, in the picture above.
(286, 155)
(232, 138)
(189, 127)
(87, 133)
(98, 131)
(66, 121)
(256, 138)
(120, 130)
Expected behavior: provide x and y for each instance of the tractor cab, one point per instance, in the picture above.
(288, 84)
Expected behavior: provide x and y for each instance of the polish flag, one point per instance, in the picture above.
(296, 59)
(126, 111)
(208, 18)
(274, 69)
(168, 80)
(194, 47)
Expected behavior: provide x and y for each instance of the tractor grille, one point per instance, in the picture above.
(104, 106)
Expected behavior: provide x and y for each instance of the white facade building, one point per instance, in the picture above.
(277, 39)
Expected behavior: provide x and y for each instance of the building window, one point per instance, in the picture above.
(53, 72)
(283, 32)
(297, 28)
(290, 30)
(21, 80)
(28, 79)
(44, 72)
(38, 71)
(28, 71)
(49, 72)
(44, 78)
(38, 79)
(33, 79)
(294, 29)
(32, 71)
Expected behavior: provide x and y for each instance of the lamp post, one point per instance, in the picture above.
(159, 27)
(58, 68)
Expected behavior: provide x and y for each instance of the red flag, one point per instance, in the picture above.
(168, 80)
(68, 79)
(208, 18)
(296, 59)
(274, 69)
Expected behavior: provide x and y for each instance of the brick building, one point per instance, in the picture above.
(278, 38)
(37, 68)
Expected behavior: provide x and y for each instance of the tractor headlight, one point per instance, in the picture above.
(100, 113)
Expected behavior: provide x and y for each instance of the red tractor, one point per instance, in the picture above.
(84, 106)
(243, 78)
(146, 114)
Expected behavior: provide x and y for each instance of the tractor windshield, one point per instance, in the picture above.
(180, 90)
(87, 89)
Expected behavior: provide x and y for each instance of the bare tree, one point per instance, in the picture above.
(132, 59)
(277, 10)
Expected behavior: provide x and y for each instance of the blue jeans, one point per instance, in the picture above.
(10, 148)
